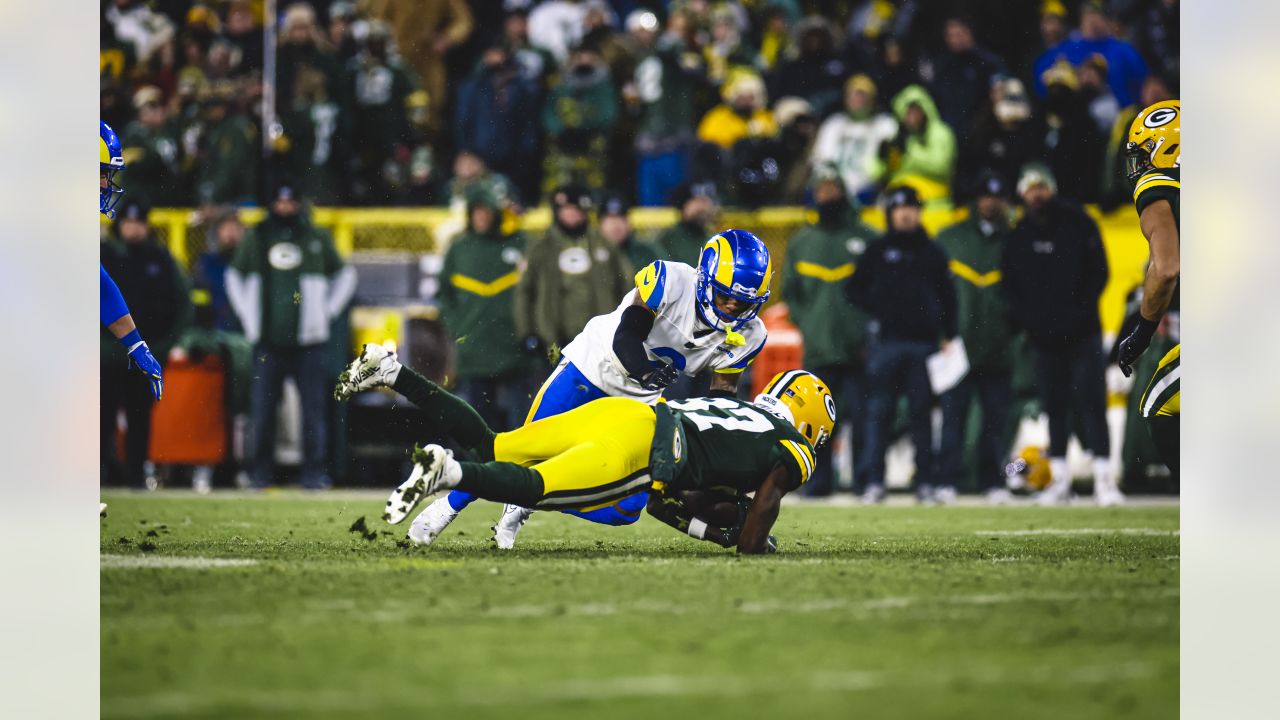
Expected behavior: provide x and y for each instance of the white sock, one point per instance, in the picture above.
(1058, 472)
(1102, 478)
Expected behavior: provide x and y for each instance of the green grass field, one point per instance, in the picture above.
(269, 606)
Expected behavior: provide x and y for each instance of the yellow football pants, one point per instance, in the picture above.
(589, 456)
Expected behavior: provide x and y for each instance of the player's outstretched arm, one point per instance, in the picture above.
(697, 515)
(1161, 230)
(754, 539)
(114, 313)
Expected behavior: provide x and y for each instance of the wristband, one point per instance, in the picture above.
(132, 340)
(697, 528)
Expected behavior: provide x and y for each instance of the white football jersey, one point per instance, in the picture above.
(678, 336)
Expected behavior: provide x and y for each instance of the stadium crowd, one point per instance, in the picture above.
(595, 107)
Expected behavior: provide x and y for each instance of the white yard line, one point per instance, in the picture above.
(113, 562)
(1081, 531)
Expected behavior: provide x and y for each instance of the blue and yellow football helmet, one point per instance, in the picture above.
(110, 162)
(734, 263)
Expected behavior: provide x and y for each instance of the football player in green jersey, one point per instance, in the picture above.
(697, 456)
(1154, 154)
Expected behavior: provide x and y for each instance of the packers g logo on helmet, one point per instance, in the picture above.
(803, 399)
(1155, 139)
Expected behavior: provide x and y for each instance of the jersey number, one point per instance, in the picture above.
(742, 418)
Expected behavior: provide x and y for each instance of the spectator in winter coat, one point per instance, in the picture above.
(477, 293)
(497, 119)
(850, 141)
(962, 78)
(572, 274)
(821, 258)
(425, 31)
(1007, 136)
(227, 159)
(152, 153)
(923, 153)
(1126, 68)
(743, 114)
(975, 246)
(287, 284)
(160, 303)
(1074, 146)
(226, 232)
(1053, 271)
(578, 118)
(816, 71)
(904, 283)
(374, 90)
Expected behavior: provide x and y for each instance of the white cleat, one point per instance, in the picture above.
(102, 509)
(1108, 496)
(434, 469)
(376, 367)
(999, 496)
(874, 495)
(945, 495)
(431, 522)
(1058, 493)
(513, 518)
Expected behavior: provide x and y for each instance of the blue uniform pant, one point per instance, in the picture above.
(896, 368)
(566, 389)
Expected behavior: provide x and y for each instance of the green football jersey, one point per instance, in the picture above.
(726, 443)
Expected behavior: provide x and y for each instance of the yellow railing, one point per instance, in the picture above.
(425, 230)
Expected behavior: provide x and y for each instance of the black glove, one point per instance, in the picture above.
(660, 377)
(1136, 344)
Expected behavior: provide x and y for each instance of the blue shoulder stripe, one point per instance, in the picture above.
(746, 359)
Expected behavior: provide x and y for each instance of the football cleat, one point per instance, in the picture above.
(998, 496)
(434, 469)
(1058, 493)
(944, 495)
(874, 495)
(1108, 495)
(376, 367)
(102, 509)
(513, 518)
(431, 522)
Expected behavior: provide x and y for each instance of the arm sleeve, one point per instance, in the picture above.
(628, 340)
(111, 305)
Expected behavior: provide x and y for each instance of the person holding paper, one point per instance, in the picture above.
(904, 283)
(975, 246)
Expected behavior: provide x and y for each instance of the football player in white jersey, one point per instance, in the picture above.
(678, 320)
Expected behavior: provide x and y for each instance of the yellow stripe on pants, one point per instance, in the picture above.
(588, 456)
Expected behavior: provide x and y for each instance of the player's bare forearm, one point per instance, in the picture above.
(121, 327)
(1161, 231)
(754, 539)
(725, 383)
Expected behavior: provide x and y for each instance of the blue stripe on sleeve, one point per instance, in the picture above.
(746, 360)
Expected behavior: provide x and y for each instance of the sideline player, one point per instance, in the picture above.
(112, 310)
(616, 447)
(677, 320)
(1153, 164)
